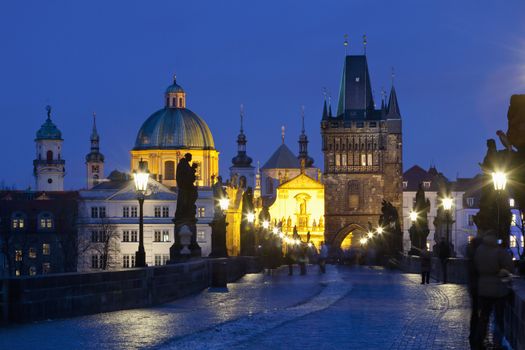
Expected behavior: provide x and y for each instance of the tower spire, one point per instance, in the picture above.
(242, 117)
(282, 134)
(325, 108)
(302, 119)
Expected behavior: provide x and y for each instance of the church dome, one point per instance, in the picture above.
(174, 128)
(48, 130)
(174, 88)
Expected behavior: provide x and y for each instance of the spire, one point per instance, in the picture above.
(325, 109)
(48, 109)
(330, 106)
(282, 134)
(364, 44)
(241, 159)
(355, 92)
(303, 157)
(393, 106)
(94, 133)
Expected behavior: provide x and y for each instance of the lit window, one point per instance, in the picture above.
(17, 272)
(512, 241)
(18, 221)
(134, 211)
(513, 220)
(426, 184)
(32, 253)
(201, 237)
(165, 235)
(201, 212)
(157, 212)
(18, 255)
(134, 236)
(46, 268)
(337, 159)
(46, 221)
(363, 159)
(32, 271)
(405, 184)
(357, 79)
(471, 220)
(511, 202)
(125, 212)
(46, 249)
(369, 159)
(165, 212)
(343, 159)
(470, 201)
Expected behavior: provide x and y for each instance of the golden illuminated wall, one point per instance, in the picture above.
(157, 164)
(300, 202)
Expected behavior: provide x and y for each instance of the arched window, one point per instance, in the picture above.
(45, 221)
(169, 170)
(180, 102)
(269, 185)
(49, 156)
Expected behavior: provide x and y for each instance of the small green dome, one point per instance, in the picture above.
(48, 131)
(173, 88)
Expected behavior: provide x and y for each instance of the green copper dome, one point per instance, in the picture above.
(48, 130)
(174, 128)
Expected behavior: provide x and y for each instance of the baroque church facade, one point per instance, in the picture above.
(362, 148)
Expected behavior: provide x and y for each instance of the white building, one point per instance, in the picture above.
(108, 223)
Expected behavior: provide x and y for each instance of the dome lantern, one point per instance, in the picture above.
(175, 95)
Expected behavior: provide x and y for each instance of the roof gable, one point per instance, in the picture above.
(302, 181)
(282, 158)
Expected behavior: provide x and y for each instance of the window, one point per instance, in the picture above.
(169, 170)
(132, 258)
(157, 237)
(125, 261)
(94, 212)
(94, 236)
(45, 221)
(17, 272)
(46, 268)
(471, 220)
(405, 184)
(426, 184)
(18, 220)
(337, 159)
(32, 253)
(18, 255)
(513, 220)
(125, 236)
(46, 249)
(353, 195)
(470, 201)
(32, 271)
(201, 237)
(512, 242)
(198, 174)
(201, 212)
(165, 212)
(373, 124)
(363, 159)
(165, 235)
(343, 159)
(95, 261)
(511, 202)
(94, 168)
(369, 159)
(165, 258)
(134, 236)
(158, 259)
(102, 212)
(157, 212)
(360, 125)
(49, 156)
(125, 212)
(134, 211)
(269, 185)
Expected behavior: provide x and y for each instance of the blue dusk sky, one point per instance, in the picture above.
(456, 65)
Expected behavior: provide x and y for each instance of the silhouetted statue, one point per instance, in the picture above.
(389, 221)
(218, 194)
(186, 189)
(419, 230)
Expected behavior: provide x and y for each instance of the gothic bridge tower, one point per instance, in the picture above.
(362, 149)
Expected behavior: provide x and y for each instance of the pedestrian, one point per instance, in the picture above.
(426, 264)
(472, 285)
(494, 266)
(289, 257)
(444, 254)
(323, 255)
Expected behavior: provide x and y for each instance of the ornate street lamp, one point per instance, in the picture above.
(447, 206)
(499, 179)
(224, 203)
(141, 178)
(380, 230)
(250, 217)
(265, 224)
(413, 216)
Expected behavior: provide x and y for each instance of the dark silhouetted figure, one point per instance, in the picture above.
(426, 264)
(444, 254)
(473, 288)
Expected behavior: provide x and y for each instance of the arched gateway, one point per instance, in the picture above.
(347, 235)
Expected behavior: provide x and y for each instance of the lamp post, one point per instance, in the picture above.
(447, 205)
(413, 219)
(250, 218)
(499, 179)
(141, 178)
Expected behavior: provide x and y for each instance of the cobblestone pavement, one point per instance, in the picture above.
(348, 308)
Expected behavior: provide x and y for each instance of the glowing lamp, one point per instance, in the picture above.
(275, 230)
(500, 180)
(363, 241)
(413, 216)
(141, 177)
(224, 203)
(265, 224)
(447, 203)
(370, 234)
(380, 230)
(250, 217)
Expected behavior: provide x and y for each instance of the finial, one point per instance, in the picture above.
(242, 117)
(302, 118)
(174, 78)
(282, 133)
(393, 75)
(383, 93)
(324, 93)
(345, 43)
(48, 109)
(364, 43)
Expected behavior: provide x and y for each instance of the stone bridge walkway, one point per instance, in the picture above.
(347, 308)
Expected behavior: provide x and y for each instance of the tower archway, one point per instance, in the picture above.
(347, 235)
